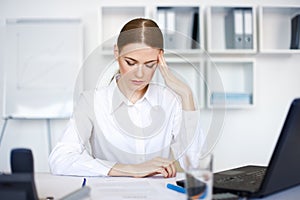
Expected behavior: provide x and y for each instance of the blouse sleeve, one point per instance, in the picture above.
(72, 156)
(189, 136)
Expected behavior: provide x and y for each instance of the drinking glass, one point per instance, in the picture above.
(198, 176)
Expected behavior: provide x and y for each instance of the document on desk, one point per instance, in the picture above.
(131, 188)
(125, 190)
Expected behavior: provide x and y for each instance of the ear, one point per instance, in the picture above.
(161, 52)
(116, 51)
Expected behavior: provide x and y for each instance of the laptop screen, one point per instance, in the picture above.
(283, 169)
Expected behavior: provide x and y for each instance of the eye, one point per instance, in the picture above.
(151, 65)
(130, 63)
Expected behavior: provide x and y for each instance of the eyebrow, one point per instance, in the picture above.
(150, 61)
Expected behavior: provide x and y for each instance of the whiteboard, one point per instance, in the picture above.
(42, 61)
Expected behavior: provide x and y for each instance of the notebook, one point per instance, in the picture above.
(282, 171)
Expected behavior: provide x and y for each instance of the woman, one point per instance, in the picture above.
(129, 127)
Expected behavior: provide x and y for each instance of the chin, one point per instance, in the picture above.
(139, 88)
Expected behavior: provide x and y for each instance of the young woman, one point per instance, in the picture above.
(132, 127)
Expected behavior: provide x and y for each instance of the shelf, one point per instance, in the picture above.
(231, 30)
(112, 19)
(230, 83)
(190, 71)
(275, 29)
(181, 26)
(230, 79)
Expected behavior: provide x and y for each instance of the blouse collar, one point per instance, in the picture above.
(118, 97)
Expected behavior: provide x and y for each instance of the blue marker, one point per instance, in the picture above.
(84, 182)
(176, 188)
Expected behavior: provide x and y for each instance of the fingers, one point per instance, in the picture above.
(162, 60)
(170, 170)
(167, 167)
(163, 67)
(157, 165)
(163, 172)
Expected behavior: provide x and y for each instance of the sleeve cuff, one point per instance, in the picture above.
(105, 166)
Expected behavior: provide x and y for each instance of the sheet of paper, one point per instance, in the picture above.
(132, 188)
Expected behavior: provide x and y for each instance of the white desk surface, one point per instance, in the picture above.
(108, 187)
(125, 188)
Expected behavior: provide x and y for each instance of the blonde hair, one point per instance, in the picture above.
(141, 30)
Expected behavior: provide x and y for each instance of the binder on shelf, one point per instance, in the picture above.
(248, 29)
(167, 22)
(195, 31)
(295, 35)
(234, 29)
(161, 19)
(170, 37)
(171, 25)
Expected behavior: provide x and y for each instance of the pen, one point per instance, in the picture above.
(84, 182)
(176, 188)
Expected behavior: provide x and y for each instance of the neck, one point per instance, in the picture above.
(132, 95)
(136, 95)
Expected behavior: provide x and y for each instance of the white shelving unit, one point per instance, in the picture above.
(235, 66)
(275, 29)
(219, 20)
(231, 83)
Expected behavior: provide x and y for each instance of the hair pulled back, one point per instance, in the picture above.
(140, 30)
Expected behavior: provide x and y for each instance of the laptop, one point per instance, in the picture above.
(282, 171)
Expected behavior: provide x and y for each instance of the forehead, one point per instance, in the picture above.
(139, 51)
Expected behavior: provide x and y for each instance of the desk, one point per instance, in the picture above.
(112, 188)
(116, 188)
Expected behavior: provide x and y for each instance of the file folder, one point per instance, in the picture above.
(161, 19)
(234, 29)
(295, 36)
(166, 21)
(248, 29)
(195, 31)
(170, 37)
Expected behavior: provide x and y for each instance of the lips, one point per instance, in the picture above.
(137, 82)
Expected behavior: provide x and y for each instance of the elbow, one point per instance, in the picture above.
(59, 168)
(54, 166)
(57, 165)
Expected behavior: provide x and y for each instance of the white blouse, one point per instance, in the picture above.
(106, 129)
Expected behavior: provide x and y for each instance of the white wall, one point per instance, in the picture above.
(249, 135)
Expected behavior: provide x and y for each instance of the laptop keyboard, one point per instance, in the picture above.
(253, 178)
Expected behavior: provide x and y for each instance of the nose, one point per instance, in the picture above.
(139, 71)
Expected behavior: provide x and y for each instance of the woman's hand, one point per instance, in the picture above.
(176, 85)
(157, 165)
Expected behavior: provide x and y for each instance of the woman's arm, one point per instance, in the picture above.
(71, 155)
(187, 132)
(179, 87)
(152, 167)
